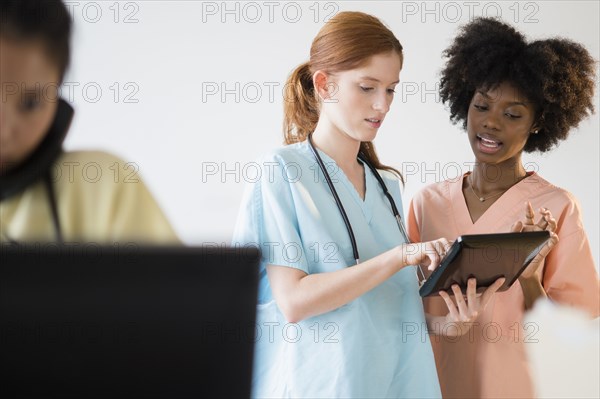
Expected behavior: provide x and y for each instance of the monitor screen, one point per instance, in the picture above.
(125, 320)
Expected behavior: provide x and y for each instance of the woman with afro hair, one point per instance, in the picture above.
(511, 95)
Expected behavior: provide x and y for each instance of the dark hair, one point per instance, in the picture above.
(45, 20)
(556, 74)
(345, 42)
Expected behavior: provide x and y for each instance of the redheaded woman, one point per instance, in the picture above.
(339, 310)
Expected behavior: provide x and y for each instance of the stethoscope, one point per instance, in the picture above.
(338, 202)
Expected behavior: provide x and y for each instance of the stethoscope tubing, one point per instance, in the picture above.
(340, 206)
(338, 202)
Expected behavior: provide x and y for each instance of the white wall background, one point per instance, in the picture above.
(161, 68)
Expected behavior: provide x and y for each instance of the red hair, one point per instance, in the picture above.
(346, 42)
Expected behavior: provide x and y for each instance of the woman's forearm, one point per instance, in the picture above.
(300, 295)
(532, 290)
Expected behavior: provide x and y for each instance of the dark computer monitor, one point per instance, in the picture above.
(126, 321)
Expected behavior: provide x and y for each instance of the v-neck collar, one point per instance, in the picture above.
(495, 216)
(365, 205)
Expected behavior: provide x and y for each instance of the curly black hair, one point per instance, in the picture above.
(45, 20)
(557, 75)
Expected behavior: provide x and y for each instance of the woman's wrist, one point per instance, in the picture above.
(447, 327)
(402, 254)
(532, 290)
(530, 282)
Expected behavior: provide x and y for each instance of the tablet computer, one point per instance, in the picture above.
(487, 257)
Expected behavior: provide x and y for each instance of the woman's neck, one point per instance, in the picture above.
(490, 178)
(337, 145)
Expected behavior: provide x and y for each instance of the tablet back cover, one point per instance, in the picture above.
(487, 257)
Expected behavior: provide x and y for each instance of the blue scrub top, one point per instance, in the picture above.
(374, 346)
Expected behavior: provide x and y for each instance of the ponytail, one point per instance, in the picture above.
(300, 105)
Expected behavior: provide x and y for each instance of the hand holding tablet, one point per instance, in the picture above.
(487, 257)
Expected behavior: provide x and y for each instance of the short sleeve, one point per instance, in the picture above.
(95, 203)
(268, 218)
(137, 216)
(570, 275)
